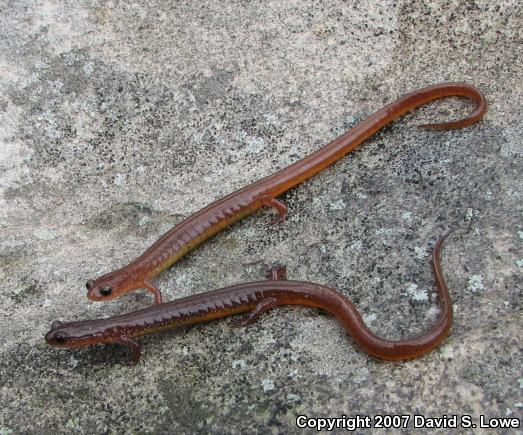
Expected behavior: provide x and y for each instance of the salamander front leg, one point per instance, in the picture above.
(152, 288)
(262, 307)
(135, 348)
(278, 205)
(277, 272)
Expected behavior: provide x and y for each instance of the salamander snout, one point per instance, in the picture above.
(73, 334)
(111, 285)
(106, 290)
(100, 293)
(99, 290)
(56, 338)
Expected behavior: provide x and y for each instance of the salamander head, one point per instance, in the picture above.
(75, 334)
(108, 287)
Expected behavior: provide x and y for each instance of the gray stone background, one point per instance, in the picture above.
(118, 119)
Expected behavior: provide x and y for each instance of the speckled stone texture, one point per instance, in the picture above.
(118, 119)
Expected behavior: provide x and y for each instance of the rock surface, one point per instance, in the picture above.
(119, 119)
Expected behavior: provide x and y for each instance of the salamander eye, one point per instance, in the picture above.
(60, 337)
(106, 291)
(89, 284)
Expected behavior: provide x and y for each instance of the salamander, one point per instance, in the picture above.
(222, 213)
(256, 298)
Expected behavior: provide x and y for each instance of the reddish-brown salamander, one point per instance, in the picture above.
(256, 298)
(220, 214)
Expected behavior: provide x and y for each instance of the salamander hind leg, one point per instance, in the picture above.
(135, 348)
(278, 205)
(277, 272)
(152, 288)
(262, 307)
